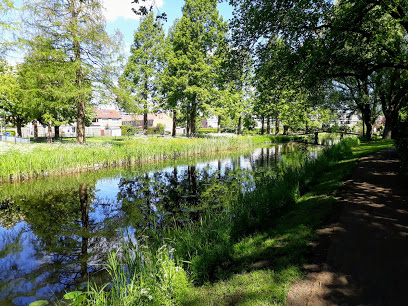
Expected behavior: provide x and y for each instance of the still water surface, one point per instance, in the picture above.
(55, 232)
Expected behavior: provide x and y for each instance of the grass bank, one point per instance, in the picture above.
(246, 254)
(19, 162)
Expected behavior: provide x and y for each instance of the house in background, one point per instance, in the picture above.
(108, 121)
(152, 120)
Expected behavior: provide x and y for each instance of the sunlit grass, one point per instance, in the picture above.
(43, 159)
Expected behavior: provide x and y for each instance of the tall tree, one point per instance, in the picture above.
(141, 78)
(77, 27)
(45, 79)
(196, 55)
(12, 103)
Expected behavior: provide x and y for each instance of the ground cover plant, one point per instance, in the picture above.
(22, 161)
(251, 251)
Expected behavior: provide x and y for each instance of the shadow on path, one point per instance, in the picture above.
(367, 248)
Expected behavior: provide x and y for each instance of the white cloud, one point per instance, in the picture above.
(123, 8)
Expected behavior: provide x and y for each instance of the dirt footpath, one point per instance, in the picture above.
(362, 258)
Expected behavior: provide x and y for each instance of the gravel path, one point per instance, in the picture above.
(362, 258)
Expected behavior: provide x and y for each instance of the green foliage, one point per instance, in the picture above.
(194, 58)
(160, 128)
(77, 29)
(128, 130)
(140, 83)
(45, 79)
(207, 130)
(35, 159)
(12, 132)
(204, 244)
(39, 303)
(142, 277)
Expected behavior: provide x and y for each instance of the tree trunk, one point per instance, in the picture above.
(239, 125)
(263, 126)
(35, 126)
(219, 125)
(193, 118)
(188, 126)
(367, 121)
(49, 134)
(276, 126)
(145, 123)
(391, 113)
(57, 131)
(79, 81)
(145, 106)
(173, 132)
(268, 125)
(19, 123)
(285, 129)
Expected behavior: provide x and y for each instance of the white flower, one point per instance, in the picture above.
(165, 275)
(178, 269)
(144, 291)
(150, 297)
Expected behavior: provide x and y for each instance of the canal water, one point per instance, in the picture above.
(56, 232)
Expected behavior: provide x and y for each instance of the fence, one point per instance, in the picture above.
(14, 139)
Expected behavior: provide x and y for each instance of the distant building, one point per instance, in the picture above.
(108, 121)
(348, 120)
(211, 122)
(107, 118)
(152, 120)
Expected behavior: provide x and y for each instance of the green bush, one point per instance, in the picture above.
(160, 128)
(207, 130)
(12, 132)
(128, 130)
(150, 130)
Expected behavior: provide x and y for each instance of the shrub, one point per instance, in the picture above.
(159, 128)
(207, 130)
(11, 132)
(128, 130)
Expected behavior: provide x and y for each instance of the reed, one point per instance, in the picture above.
(25, 161)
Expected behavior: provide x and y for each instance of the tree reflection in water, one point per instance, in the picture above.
(53, 232)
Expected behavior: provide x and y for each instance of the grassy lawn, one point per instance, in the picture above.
(267, 262)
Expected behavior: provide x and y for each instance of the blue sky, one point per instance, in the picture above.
(119, 15)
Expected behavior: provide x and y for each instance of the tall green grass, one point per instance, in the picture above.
(43, 159)
(211, 249)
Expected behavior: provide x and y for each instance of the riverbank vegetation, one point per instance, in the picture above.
(248, 252)
(19, 162)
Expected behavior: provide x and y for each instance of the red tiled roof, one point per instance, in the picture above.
(107, 113)
(140, 117)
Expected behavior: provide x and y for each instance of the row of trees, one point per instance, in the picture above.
(353, 53)
(291, 64)
(196, 71)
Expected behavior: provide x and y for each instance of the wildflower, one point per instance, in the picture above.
(165, 275)
(178, 269)
(144, 291)
(150, 297)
